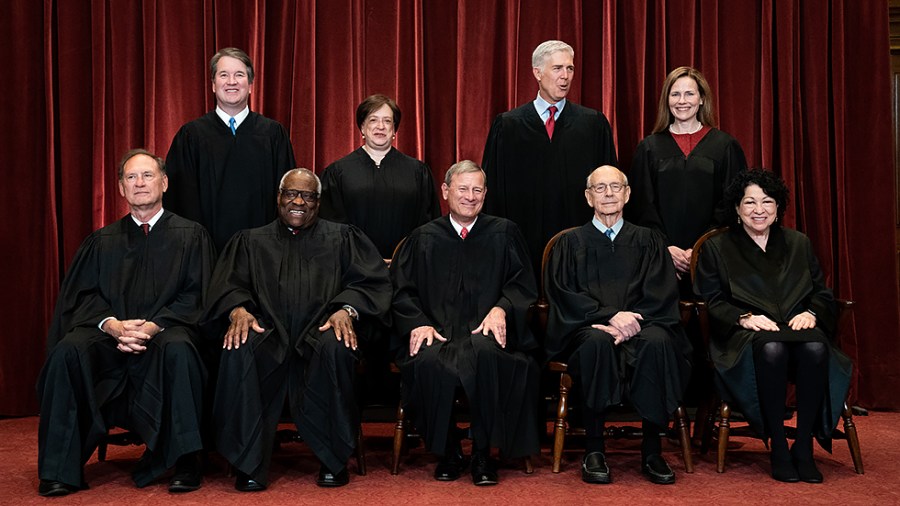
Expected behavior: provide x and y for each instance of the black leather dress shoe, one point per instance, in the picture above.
(594, 469)
(50, 488)
(806, 468)
(484, 471)
(657, 470)
(188, 473)
(784, 470)
(244, 483)
(450, 466)
(328, 479)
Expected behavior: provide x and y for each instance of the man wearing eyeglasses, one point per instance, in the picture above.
(290, 298)
(614, 320)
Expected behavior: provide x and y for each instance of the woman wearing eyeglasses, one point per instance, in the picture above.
(679, 172)
(376, 187)
(772, 317)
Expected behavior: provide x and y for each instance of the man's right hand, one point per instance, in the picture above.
(426, 334)
(241, 323)
(130, 335)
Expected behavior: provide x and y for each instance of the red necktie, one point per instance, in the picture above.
(464, 232)
(551, 121)
(146, 228)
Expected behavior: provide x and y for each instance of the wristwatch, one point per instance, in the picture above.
(351, 311)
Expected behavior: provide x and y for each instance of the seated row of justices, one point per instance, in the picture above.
(290, 302)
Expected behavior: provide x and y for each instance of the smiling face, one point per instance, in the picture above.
(684, 99)
(757, 210)
(465, 196)
(378, 128)
(231, 85)
(298, 212)
(555, 77)
(607, 194)
(142, 183)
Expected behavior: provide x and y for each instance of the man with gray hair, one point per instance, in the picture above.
(224, 166)
(289, 299)
(462, 287)
(538, 155)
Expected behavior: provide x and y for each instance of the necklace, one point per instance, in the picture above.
(699, 127)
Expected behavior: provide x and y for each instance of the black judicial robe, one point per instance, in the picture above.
(588, 280)
(387, 202)
(681, 196)
(451, 284)
(118, 271)
(735, 276)
(292, 284)
(227, 182)
(539, 183)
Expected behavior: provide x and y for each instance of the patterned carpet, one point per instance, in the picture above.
(745, 481)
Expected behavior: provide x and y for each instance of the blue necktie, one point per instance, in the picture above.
(609, 233)
(231, 124)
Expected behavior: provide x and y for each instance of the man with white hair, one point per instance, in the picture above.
(540, 153)
(293, 296)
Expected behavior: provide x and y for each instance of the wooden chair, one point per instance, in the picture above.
(720, 411)
(402, 426)
(561, 426)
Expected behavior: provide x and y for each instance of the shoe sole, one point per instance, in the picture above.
(659, 480)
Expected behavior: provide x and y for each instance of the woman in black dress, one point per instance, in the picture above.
(376, 187)
(772, 317)
(679, 171)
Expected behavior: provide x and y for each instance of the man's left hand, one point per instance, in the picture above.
(494, 322)
(342, 324)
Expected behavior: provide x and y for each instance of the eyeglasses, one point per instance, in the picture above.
(601, 187)
(289, 195)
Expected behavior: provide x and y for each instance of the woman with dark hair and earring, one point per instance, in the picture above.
(680, 171)
(376, 187)
(772, 317)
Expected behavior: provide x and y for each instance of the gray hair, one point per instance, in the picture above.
(301, 170)
(463, 167)
(546, 48)
(235, 53)
(588, 180)
(160, 163)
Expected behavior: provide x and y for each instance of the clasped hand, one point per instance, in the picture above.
(131, 336)
(622, 326)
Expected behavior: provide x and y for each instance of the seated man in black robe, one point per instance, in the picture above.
(614, 319)
(122, 342)
(292, 290)
(462, 286)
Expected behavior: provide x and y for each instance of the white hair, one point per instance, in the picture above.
(546, 48)
(301, 170)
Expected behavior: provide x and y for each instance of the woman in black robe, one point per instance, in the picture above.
(680, 171)
(376, 187)
(772, 317)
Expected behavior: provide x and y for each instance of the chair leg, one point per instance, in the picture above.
(562, 411)
(529, 465)
(852, 439)
(101, 450)
(360, 453)
(682, 424)
(724, 414)
(399, 436)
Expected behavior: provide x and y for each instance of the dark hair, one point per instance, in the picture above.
(770, 183)
(706, 113)
(234, 53)
(140, 151)
(371, 104)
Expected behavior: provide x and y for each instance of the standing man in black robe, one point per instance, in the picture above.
(462, 286)
(122, 342)
(538, 155)
(292, 294)
(614, 319)
(224, 167)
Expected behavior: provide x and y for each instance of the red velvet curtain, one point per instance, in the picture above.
(804, 86)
